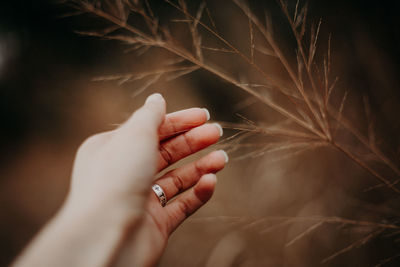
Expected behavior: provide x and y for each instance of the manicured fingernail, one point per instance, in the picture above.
(155, 98)
(207, 113)
(225, 155)
(221, 132)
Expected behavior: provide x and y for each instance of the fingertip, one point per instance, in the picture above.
(215, 161)
(220, 130)
(156, 102)
(203, 136)
(205, 187)
(156, 97)
(209, 179)
(149, 117)
(207, 114)
(226, 157)
(155, 106)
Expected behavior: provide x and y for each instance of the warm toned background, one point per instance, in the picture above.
(48, 106)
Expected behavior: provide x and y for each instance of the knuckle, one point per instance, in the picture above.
(178, 182)
(171, 125)
(166, 155)
(185, 207)
(187, 142)
(198, 168)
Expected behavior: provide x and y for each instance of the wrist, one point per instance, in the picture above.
(93, 234)
(80, 235)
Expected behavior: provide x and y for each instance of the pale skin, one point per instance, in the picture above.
(111, 216)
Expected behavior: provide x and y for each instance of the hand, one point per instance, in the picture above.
(114, 171)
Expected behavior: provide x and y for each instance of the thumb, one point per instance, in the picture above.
(150, 116)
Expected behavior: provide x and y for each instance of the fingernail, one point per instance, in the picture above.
(207, 113)
(225, 155)
(210, 176)
(155, 98)
(221, 132)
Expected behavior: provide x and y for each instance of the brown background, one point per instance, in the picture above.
(48, 106)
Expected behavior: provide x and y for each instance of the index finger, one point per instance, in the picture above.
(182, 121)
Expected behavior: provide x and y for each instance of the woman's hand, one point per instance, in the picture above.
(118, 168)
(111, 208)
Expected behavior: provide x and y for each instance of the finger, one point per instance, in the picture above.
(190, 201)
(149, 117)
(182, 121)
(181, 179)
(139, 134)
(188, 143)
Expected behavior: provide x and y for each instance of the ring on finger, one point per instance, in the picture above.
(160, 194)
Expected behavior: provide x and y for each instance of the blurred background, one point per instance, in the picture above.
(49, 104)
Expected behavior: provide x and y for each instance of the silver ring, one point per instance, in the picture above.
(160, 194)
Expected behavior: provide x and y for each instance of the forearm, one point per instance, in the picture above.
(76, 237)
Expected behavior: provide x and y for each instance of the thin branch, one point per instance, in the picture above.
(282, 58)
(307, 60)
(355, 244)
(356, 133)
(387, 260)
(276, 85)
(304, 233)
(365, 166)
(252, 44)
